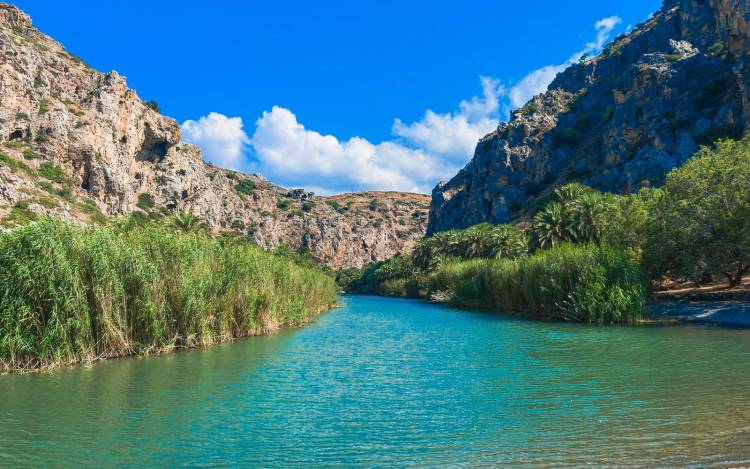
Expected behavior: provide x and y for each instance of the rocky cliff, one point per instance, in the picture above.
(616, 122)
(80, 144)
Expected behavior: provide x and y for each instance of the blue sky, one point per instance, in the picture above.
(308, 93)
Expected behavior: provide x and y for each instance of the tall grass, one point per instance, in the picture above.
(70, 294)
(574, 283)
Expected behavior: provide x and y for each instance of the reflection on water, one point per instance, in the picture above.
(394, 382)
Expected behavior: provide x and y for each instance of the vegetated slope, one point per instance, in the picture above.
(79, 144)
(616, 122)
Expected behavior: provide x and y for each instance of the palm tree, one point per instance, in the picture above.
(588, 212)
(188, 223)
(570, 192)
(551, 226)
(507, 241)
(423, 253)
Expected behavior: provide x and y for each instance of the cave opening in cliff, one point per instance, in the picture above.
(154, 148)
(16, 135)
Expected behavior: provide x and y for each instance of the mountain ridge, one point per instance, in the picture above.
(78, 144)
(617, 122)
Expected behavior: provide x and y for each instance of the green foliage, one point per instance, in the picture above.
(716, 49)
(71, 294)
(607, 115)
(43, 106)
(188, 223)
(531, 108)
(16, 165)
(700, 222)
(584, 283)
(97, 216)
(29, 154)
(283, 204)
(153, 105)
(22, 116)
(307, 206)
(20, 215)
(375, 204)
(485, 240)
(246, 186)
(53, 172)
(145, 202)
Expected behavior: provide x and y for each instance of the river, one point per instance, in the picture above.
(385, 382)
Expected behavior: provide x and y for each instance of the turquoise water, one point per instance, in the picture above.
(382, 382)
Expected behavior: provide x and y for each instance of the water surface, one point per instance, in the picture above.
(393, 382)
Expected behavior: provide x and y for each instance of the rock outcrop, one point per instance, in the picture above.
(80, 144)
(616, 122)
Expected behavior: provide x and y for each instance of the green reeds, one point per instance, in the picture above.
(70, 294)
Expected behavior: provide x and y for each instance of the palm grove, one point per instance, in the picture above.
(589, 255)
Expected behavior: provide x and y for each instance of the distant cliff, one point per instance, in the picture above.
(79, 144)
(616, 122)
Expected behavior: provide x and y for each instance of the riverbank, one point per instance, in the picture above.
(72, 295)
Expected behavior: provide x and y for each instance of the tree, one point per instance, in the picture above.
(188, 223)
(588, 216)
(551, 226)
(507, 241)
(702, 221)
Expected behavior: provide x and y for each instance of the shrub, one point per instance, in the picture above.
(20, 215)
(71, 294)
(375, 204)
(153, 105)
(53, 172)
(307, 206)
(30, 154)
(245, 186)
(43, 106)
(283, 204)
(97, 216)
(15, 164)
(145, 202)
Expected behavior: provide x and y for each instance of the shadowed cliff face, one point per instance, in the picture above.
(616, 122)
(75, 142)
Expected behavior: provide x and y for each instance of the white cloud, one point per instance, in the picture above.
(452, 137)
(292, 155)
(222, 139)
(537, 81)
(421, 152)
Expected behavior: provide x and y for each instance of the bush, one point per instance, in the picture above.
(53, 172)
(71, 294)
(145, 202)
(153, 105)
(245, 186)
(283, 204)
(15, 164)
(307, 206)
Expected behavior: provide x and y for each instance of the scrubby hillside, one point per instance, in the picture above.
(81, 145)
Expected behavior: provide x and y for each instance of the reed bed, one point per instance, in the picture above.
(70, 294)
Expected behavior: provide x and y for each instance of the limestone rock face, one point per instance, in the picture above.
(76, 141)
(616, 122)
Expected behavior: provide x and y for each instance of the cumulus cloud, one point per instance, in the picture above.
(537, 81)
(291, 154)
(419, 154)
(223, 139)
